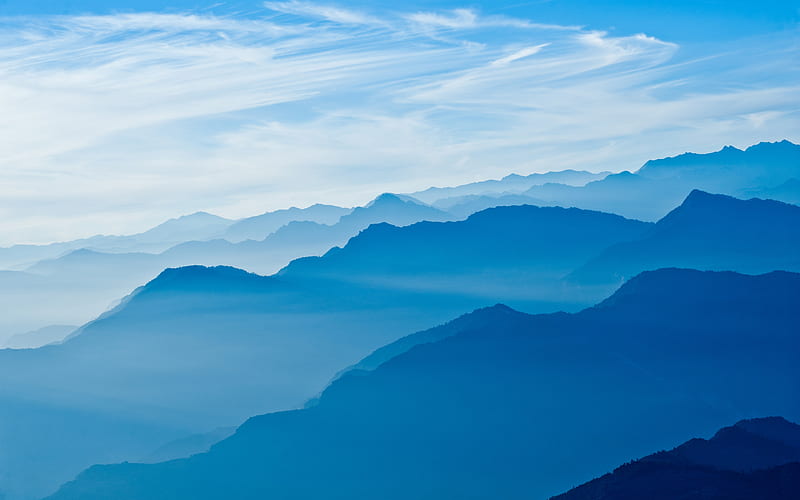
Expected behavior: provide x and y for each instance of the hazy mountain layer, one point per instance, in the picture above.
(710, 232)
(200, 348)
(82, 284)
(512, 405)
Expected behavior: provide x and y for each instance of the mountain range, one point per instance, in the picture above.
(510, 405)
(183, 355)
(257, 344)
(78, 286)
(73, 282)
(234, 344)
(764, 170)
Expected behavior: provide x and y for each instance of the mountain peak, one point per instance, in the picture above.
(390, 199)
(700, 207)
(688, 286)
(777, 145)
(200, 278)
(700, 196)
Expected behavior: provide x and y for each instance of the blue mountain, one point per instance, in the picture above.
(81, 284)
(260, 226)
(754, 459)
(199, 348)
(712, 232)
(511, 405)
(765, 170)
(443, 197)
(196, 226)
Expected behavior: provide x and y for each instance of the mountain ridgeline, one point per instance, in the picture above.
(612, 337)
(510, 405)
(754, 459)
(234, 344)
(256, 344)
(73, 282)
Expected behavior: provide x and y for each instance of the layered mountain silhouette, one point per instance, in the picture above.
(260, 226)
(199, 348)
(78, 286)
(197, 226)
(706, 231)
(510, 184)
(37, 338)
(512, 405)
(754, 459)
(765, 170)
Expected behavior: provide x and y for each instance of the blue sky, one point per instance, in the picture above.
(118, 114)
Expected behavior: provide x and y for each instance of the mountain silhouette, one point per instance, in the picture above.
(197, 226)
(510, 184)
(707, 231)
(659, 185)
(81, 284)
(199, 348)
(37, 338)
(754, 459)
(514, 405)
(464, 206)
(260, 226)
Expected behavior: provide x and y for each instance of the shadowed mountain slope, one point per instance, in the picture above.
(756, 459)
(513, 406)
(707, 231)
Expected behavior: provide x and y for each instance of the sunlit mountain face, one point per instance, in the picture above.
(437, 250)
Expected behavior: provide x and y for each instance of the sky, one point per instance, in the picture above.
(117, 115)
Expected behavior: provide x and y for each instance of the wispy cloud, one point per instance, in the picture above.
(111, 123)
(326, 12)
(463, 19)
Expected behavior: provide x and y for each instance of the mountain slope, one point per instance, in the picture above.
(522, 408)
(199, 348)
(711, 232)
(754, 459)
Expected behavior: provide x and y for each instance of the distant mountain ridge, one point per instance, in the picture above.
(764, 170)
(81, 284)
(713, 232)
(510, 184)
(260, 226)
(248, 344)
(659, 185)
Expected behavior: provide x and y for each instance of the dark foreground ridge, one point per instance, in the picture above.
(754, 459)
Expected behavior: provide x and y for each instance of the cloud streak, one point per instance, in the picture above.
(112, 123)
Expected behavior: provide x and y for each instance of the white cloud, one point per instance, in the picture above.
(519, 54)
(325, 12)
(460, 19)
(113, 123)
